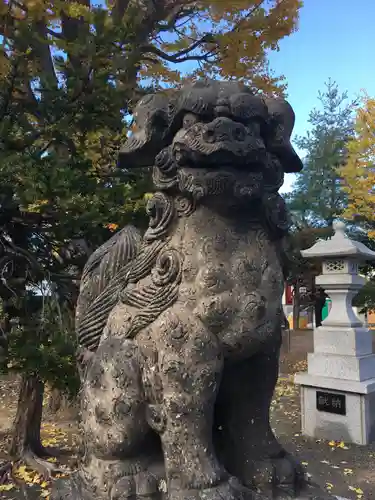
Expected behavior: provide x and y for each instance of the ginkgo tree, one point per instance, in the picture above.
(70, 73)
(358, 173)
(132, 38)
(358, 178)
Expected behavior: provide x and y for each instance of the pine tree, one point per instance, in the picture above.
(318, 196)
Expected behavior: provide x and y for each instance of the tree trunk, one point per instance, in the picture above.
(55, 400)
(27, 423)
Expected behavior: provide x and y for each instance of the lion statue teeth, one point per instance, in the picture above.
(180, 328)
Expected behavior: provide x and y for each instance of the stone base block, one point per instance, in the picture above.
(343, 341)
(355, 425)
(359, 368)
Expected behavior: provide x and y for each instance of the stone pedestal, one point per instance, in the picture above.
(338, 390)
(355, 425)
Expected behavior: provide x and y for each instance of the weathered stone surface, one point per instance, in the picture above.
(180, 329)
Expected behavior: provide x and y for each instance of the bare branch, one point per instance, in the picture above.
(178, 13)
(183, 55)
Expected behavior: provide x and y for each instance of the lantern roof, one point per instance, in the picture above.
(340, 245)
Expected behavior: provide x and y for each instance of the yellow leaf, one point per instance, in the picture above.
(6, 487)
(358, 174)
(77, 10)
(111, 227)
(359, 491)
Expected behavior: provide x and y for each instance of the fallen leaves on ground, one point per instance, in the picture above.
(330, 470)
(7, 487)
(29, 477)
(52, 436)
(323, 460)
(329, 487)
(338, 444)
(357, 491)
(299, 366)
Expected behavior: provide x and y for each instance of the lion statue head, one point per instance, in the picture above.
(213, 138)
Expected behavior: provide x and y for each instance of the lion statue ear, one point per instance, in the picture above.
(150, 120)
(280, 128)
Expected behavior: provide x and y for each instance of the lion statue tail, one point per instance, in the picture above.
(104, 275)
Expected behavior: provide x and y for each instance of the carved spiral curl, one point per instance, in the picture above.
(160, 209)
(167, 268)
(184, 205)
(187, 184)
(164, 161)
(164, 173)
(153, 299)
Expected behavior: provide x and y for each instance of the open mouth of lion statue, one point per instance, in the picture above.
(223, 141)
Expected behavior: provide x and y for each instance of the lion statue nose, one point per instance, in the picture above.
(223, 129)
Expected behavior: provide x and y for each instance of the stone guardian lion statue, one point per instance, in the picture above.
(180, 328)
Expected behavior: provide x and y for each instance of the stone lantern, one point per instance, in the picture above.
(338, 390)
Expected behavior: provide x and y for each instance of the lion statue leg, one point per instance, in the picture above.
(122, 455)
(243, 435)
(190, 365)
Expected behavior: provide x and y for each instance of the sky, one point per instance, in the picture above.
(336, 39)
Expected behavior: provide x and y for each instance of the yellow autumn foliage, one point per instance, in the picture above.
(359, 172)
(216, 38)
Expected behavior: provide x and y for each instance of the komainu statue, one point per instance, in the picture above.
(180, 328)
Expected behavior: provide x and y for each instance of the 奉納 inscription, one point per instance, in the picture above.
(331, 402)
